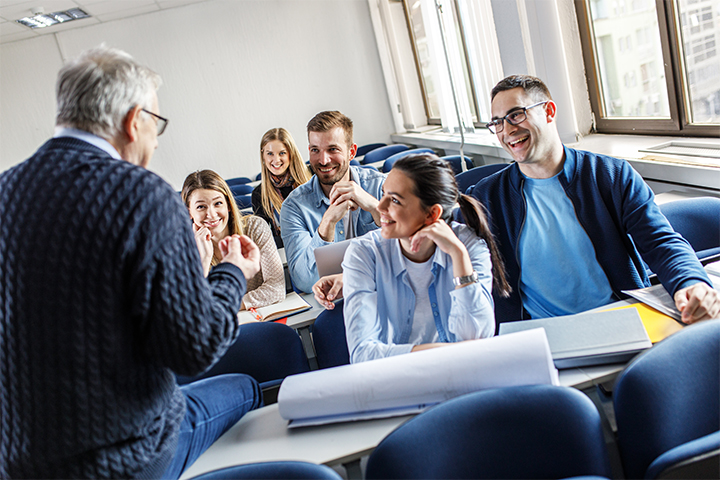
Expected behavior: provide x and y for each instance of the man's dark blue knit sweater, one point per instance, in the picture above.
(101, 295)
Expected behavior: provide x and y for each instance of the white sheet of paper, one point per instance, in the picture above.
(419, 378)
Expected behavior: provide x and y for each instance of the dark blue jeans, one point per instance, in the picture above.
(213, 406)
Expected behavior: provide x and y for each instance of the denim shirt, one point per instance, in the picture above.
(380, 303)
(301, 214)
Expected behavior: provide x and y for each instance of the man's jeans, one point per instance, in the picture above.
(213, 406)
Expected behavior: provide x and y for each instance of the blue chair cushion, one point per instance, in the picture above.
(382, 153)
(668, 396)
(273, 471)
(266, 351)
(243, 201)
(700, 447)
(363, 150)
(329, 338)
(467, 180)
(237, 181)
(390, 161)
(241, 189)
(537, 431)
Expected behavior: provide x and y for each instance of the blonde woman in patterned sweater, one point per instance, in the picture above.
(215, 216)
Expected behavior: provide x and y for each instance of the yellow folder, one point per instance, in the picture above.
(658, 325)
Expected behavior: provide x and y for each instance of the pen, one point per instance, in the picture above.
(258, 317)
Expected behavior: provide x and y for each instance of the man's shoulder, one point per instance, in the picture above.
(368, 174)
(302, 192)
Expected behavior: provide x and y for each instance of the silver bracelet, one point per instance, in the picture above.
(467, 279)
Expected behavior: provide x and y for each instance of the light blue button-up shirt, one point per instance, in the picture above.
(380, 303)
(301, 214)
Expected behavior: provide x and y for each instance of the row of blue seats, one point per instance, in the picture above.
(667, 409)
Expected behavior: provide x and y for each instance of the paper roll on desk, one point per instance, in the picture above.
(409, 383)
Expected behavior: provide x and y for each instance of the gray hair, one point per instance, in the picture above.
(96, 91)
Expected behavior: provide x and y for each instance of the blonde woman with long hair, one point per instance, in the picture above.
(282, 171)
(215, 215)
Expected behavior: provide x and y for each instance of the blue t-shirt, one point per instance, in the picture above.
(559, 271)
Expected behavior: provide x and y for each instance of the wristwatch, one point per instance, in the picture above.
(467, 279)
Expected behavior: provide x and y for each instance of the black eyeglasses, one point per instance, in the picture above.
(161, 122)
(516, 117)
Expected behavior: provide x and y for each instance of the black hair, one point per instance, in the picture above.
(533, 86)
(434, 183)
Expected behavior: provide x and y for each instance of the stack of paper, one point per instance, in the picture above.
(409, 383)
(590, 338)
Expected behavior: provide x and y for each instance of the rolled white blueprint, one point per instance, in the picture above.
(403, 383)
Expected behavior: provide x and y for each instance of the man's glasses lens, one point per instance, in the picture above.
(161, 121)
(513, 118)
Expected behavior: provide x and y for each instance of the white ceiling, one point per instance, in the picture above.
(100, 10)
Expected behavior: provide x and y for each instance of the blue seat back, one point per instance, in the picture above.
(243, 201)
(354, 162)
(369, 147)
(390, 161)
(329, 338)
(698, 221)
(241, 189)
(265, 350)
(382, 153)
(668, 396)
(238, 181)
(273, 471)
(456, 163)
(535, 431)
(466, 180)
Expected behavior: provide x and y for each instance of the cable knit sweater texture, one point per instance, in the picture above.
(101, 295)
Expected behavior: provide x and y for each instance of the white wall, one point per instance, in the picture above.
(231, 69)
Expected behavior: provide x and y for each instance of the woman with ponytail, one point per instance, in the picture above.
(282, 171)
(422, 280)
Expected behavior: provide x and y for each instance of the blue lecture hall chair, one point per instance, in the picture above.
(466, 180)
(667, 407)
(237, 181)
(354, 162)
(380, 154)
(537, 431)
(273, 471)
(243, 201)
(329, 338)
(390, 161)
(698, 221)
(266, 351)
(455, 163)
(258, 177)
(369, 147)
(241, 189)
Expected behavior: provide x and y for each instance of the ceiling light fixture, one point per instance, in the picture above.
(42, 20)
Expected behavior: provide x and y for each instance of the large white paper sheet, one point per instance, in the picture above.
(417, 379)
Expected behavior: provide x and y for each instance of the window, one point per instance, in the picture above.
(675, 57)
(456, 56)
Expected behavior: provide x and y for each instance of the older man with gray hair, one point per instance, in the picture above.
(102, 295)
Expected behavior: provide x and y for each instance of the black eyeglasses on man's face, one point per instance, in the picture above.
(516, 117)
(161, 121)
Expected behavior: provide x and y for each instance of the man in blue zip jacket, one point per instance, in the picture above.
(572, 225)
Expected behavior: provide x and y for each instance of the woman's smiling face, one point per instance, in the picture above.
(276, 157)
(401, 212)
(209, 208)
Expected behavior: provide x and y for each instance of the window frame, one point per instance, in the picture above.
(421, 80)
(678, 95)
